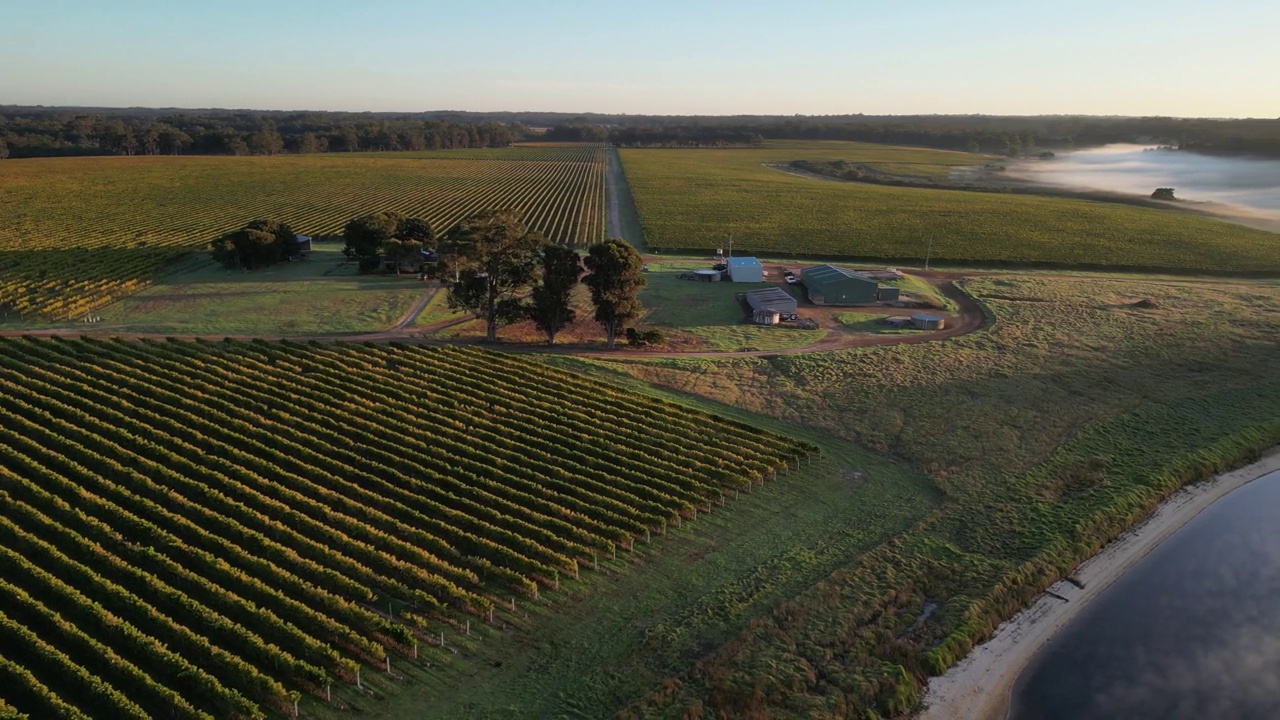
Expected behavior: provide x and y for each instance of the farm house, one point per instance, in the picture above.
(830, 285)
(745, 269)
(773, 298)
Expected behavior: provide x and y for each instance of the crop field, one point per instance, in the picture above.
(695, 199)
(1084, 405)
(76, 233)
(201, 530)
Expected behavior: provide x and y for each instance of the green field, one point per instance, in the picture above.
(695, 199)
(1057, 427)
(322, 295)
(217, 530)
(77, 233)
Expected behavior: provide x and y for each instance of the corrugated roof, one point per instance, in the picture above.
(744, 262)
(772, 298)
(824, 273)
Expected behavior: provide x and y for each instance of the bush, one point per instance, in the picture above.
(641, 338)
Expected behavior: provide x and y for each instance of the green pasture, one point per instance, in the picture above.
(698, 198)
(319, 296)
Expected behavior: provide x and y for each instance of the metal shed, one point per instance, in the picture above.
(773, 298)
(924, 321)
(745, 269)
(831, 285)
(304, 244)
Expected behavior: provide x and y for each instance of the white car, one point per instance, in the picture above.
(792, 280)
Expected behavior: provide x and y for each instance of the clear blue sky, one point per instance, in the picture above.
(1123, 57)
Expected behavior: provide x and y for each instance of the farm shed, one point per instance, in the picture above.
(745, 269)
(830, 285)
(773, 298)
(924, 321)
(304, 243)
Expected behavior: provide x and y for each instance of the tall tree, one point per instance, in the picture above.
(261, 242)
(551, 298)
(616, 279)
(495, 262)
(4, 149)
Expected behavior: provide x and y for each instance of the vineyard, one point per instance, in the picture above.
(693, 200)
(76, 233)
(201, 530)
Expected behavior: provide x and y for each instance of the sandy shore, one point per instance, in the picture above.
(978, 687)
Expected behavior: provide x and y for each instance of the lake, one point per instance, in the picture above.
(1250, 185)
(1192, 631)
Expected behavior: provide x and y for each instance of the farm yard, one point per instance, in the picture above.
(259, 481)
(77, 233)
(691, 200)
(737, 520)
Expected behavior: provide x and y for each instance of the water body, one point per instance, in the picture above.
(1192, 631)
(1248, 185)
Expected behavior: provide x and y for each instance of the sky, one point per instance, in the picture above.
(665, 57)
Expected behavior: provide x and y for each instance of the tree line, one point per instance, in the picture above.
(52, 132)
(493, 266)
(1012, 136)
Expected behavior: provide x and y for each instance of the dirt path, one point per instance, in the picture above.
(412, 313)
(618, 202)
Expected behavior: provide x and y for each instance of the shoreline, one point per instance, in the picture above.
(979, 686)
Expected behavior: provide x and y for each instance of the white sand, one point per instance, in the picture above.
(978, 687)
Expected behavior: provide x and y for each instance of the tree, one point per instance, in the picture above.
(550, 308)
(261, 242)
(1163, 194)
(616, 280)
(388, 235)
(4, 149)
(496, 260)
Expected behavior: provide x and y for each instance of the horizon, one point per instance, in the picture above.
(821, 58)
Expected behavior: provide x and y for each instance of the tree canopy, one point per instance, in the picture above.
(495, 260)
(389, 235)
(260, 242)
(551, 308)
(616, 279)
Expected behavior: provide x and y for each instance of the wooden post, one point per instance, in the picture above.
(359, 686)
(615, 551)
(295, 708)
(647, 537)
(468, 630)
(388, 664)
(442, 639)
(328, 692)
(513, 609)
(490, 614)
(415, 645)
(391, 610)
(535, 592)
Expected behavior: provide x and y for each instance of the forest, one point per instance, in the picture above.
(44, 131)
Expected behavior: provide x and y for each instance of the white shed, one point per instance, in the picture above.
(745, 269)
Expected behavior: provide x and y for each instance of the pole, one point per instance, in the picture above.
(928, 252)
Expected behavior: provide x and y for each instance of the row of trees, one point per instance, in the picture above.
(503, 272)
(45, 132)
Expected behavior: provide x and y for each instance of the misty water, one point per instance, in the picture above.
(1251, 185)
(1192, 631)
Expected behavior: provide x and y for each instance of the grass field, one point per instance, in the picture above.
(322, 295)
(1058, 427)
(216, 530)
(696, 199)
(76, 233)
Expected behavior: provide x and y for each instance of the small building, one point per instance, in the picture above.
(766, 317)
(775, 299)
(745, 269)
(925, 321)
(831, 285)
(304, 244)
